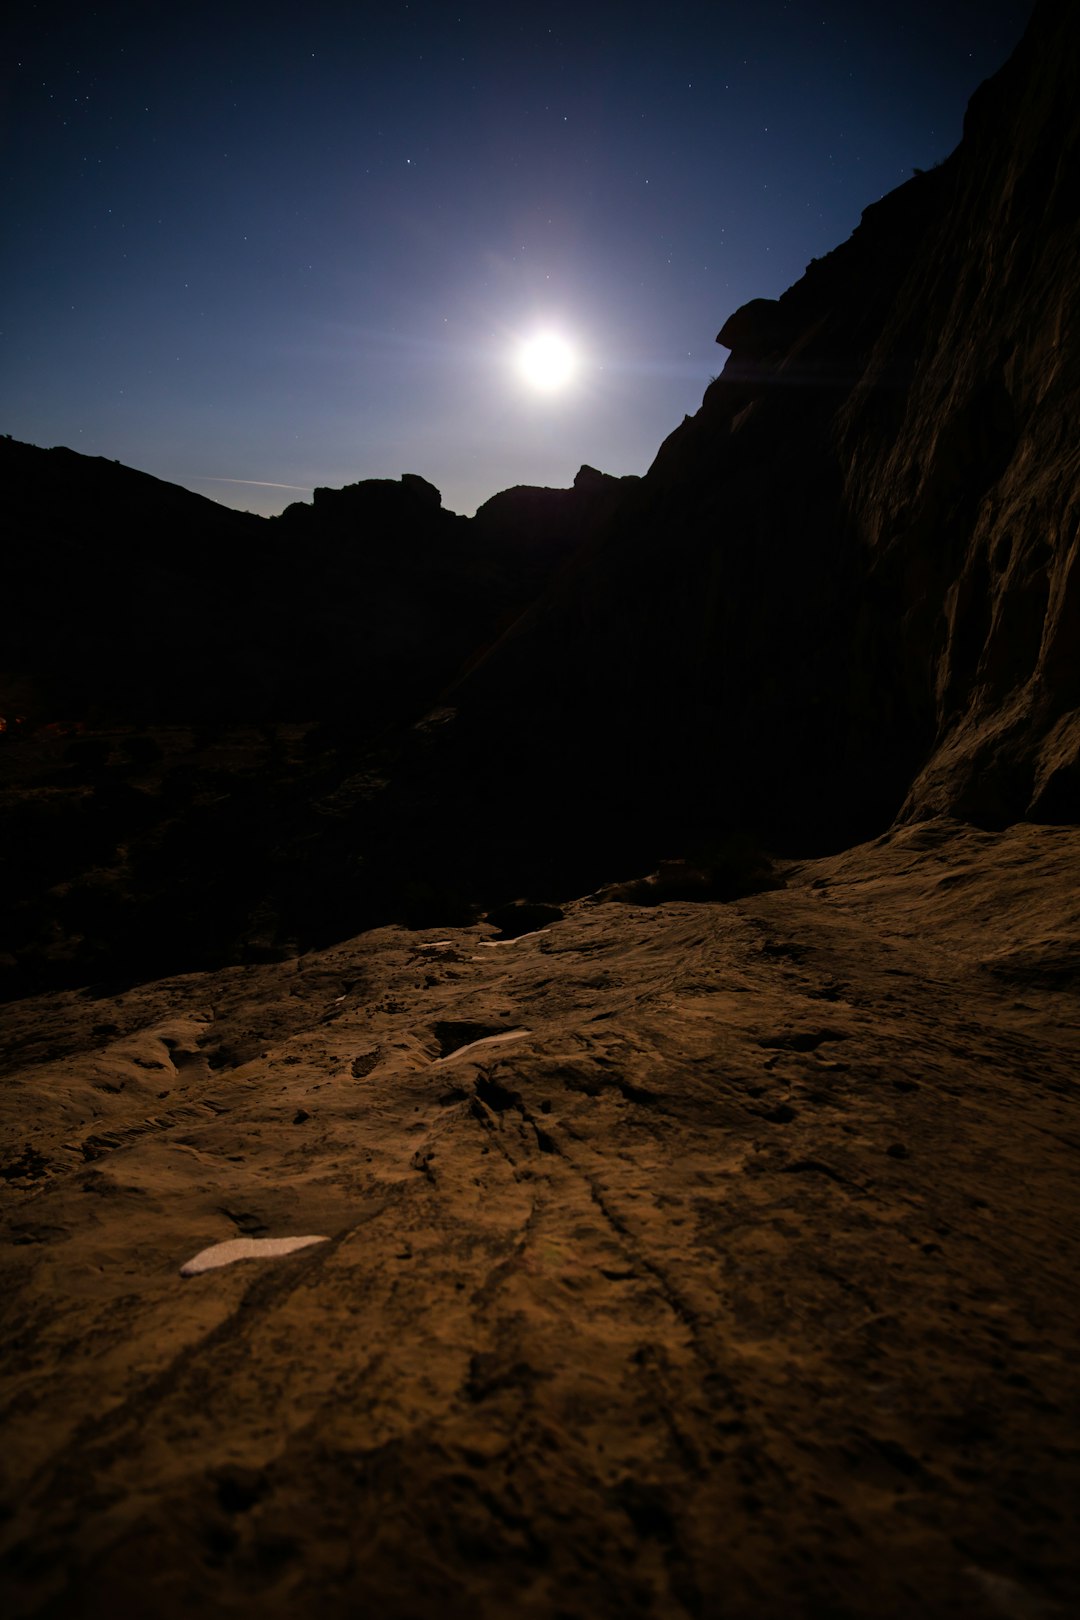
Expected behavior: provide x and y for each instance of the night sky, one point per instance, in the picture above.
(252, 250)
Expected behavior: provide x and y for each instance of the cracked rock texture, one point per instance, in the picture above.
(703, 1259)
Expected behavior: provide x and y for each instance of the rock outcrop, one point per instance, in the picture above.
(554, 517)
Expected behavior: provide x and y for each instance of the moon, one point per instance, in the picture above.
(546, 362)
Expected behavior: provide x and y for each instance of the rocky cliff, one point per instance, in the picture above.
(847, 589)
(964, 498)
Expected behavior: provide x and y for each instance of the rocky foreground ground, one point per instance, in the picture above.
(693, 1259)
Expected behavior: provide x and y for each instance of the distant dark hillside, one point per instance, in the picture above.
(111, 582)
(131, 600)
(195, 689)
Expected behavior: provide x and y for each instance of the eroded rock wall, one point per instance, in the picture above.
(938, 357)
(970, 509)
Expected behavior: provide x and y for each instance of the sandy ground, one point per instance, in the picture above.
(688, 1260)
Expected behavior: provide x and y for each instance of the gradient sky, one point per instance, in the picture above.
(264, 246)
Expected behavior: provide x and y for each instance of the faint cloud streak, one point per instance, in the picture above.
(253, 483)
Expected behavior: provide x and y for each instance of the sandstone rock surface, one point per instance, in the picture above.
(740, 1282)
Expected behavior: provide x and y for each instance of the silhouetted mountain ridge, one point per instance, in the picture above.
(149, 603)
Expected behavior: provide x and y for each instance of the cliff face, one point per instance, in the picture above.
(847, 589)
(967, 501)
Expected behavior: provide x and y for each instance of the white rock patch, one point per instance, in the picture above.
(486, 1040)
(223, 1254)
(497, 944)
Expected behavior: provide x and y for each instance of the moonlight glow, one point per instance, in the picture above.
(547, 362)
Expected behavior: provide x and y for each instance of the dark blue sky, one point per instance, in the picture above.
(298, 245)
